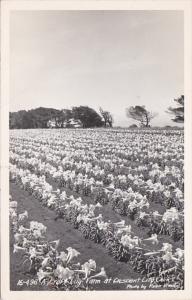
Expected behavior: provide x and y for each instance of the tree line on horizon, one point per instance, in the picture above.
(40, 117)
(88, 117)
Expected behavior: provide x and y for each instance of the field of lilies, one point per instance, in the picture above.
(96, 209)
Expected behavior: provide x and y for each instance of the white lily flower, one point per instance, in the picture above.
(151, 253)
(168, 256)
(12, 214)
(102, 273)
(120, 224)
(13, 204)
(45, 262)
(98, 205)
(23, 216)
(17, 249)
(71, 254)
(37, 226)
(37, 233)
(179, 253)
(62, 256)
(156, 214)
(142, 214)
(42, 274)
(171, 215)
(153, 239)
(63, 273)
(22, 229)
(166, 247)
(55, 243)
(89, 266)
(18, 238)
(26, 242)
(102, 225)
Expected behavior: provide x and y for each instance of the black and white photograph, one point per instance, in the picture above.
(97, 121)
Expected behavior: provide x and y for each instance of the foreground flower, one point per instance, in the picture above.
(98, 205)
(156, 214)
(13, 204)
(166, 247)
(126, 229)
(71, 254)
(89, 266)
(63, 273)
(18, 238)
(63, 256)
(23, 216)
(171, 215)
(179, 253)
(17, 249)
(100, 274)
(151, 253)
(45, 262)
(38, 226)
(22, 229)
(37, 233)
(102, 225)
(42, 274)
(128, 241)
(55, 243)
(120, 224)
(153, 239)
(168, 256)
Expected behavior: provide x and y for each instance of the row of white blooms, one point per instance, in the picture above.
(167, 150)
(69, 161)
(136, 202)
(168, 179)
(57, 268)
(81, 172)
(131, 148)
(55, 199)
(102, 151)
(117, 237)
(97, 151)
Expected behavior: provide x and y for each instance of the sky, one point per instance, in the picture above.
(112, 59)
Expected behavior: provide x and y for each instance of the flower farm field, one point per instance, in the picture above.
(96, 209)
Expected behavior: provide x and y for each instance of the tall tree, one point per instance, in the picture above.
(177, 112)
(88, 116)
(34, 118)
(140, 114)
(107, 117)
(16, 119)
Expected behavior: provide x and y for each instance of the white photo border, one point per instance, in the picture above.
(6, 8)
